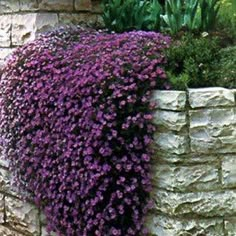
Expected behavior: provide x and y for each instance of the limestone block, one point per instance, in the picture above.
(22, 216)
(4, 53)
(28, 5)
(26, 26)
(2, 204)
(186, 178)
(211, 97)
(86, 19)
(45, 233)
(159, 225)
(7, 6)
(5, 30)
(170, 100)
(83, 5)
(97, 6)
(170, 142)
(229, 171)
(191, 158)
(56, 5)
(3, 161)
(206, 204)
(170, 120)
(213, 130)
(230, 226)
(5, 231)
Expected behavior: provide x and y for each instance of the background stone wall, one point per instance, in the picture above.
(195, 163)
(22, 20)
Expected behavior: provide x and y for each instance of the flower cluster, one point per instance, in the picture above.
(75, 123)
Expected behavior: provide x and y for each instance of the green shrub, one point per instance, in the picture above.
(226, 68)
(191, 61)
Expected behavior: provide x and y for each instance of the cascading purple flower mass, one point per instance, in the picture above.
(76, 126)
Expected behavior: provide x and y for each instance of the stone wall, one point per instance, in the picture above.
(195, 163)
(22, 20)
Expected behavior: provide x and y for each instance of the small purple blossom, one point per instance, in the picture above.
(75, 120)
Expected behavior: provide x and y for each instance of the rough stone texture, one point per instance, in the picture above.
(170, 142)
(187, 178)
(2, 208)
(56, 5)
(205, 204)
(170, 100)
(28, 5)
(229, 171)
(26, 26)
(83, 5)
(230, 226)
(22, 216)
(194, 166)
(7, 6)
(213, 130)
(170, 120)
(5, 231)
(5, 30)
(211, 97)
(84, 19)
(166, 226)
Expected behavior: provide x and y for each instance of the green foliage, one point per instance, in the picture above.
(191, 61)
(227, 18)
(209, 13)
(126, 15)
(226, 68)
(178, 15)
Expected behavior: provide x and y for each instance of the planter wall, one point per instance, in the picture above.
(22, 20)
(195, 163)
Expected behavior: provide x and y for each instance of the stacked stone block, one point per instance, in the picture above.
(195, 163)
(22, 20)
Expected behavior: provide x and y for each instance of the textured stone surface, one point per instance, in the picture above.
(171, 142)
(22, 216)
(86, 19)
(165, 226)
(187, 178)
(26, 26)
(5, 231)
(170, 120)
(211, 97)
(205, 204)
(229, 171)
(5, 30)
(191, 158)
(61, 5)
(213, 130)
(2, 208)
(28, 5)
(230, 226)
(7, 6)
(170, 100)
(83, 5)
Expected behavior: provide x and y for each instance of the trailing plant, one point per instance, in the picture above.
(75, 119)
